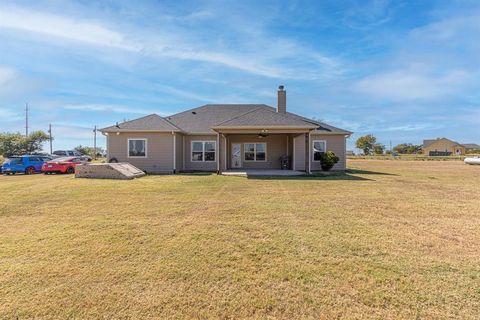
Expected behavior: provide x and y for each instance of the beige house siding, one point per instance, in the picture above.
(276, 147)
(159, 150)
(300, 152)
(335, 143)
(194, 165)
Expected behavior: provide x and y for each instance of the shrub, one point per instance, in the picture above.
(328, 160)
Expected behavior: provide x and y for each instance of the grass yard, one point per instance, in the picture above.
(389, 240)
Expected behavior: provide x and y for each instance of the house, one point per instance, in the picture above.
(469, 147)
(446, 147)
(221, 137)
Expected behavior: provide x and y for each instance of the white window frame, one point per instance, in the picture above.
(313, 148)
(134, 139)
(203, 150)
(255, 152)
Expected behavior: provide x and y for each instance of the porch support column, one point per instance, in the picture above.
(225, 152)
(293, 153)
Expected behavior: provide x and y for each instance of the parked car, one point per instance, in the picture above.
(27, 164)
(62, 165)
(71, 153)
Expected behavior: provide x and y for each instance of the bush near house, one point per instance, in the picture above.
(328, 160)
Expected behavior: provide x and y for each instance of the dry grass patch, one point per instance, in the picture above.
(387, 240)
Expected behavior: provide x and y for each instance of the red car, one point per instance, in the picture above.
(62, 165)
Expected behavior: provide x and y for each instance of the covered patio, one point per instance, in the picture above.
(263, 150)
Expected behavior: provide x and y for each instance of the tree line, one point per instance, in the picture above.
(368, 144)
(14, 144)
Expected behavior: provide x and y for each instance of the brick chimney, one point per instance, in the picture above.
(282, 100)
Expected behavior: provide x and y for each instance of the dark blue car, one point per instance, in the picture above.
(24, 164)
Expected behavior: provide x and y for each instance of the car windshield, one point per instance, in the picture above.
(63, 159)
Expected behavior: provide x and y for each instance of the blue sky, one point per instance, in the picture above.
(401, 70)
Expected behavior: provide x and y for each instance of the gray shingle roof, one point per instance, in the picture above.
(202, 119)
(322, 126)
(152, 122)
(471, 145)
(428, 142)
(265, 116)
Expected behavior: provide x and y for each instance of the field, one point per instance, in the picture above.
(410, 157)
(387, 240)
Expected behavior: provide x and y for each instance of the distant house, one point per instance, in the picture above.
(222, 137)
(447, 147)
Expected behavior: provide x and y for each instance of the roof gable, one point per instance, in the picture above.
(265, 117)
(430, 142)
(152, 122)
(201, 119)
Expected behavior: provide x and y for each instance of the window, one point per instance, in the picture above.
(319, 147)
(203, 151)
(137, 148)
(255, 151)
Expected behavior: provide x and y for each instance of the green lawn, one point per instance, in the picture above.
(389, 240)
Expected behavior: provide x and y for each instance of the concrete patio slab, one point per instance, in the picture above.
(262, 172)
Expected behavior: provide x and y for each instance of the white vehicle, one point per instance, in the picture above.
(473, 160)
(71, 153)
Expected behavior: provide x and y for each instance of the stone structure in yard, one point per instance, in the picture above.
(120, 171)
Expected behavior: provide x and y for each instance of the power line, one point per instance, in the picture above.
(50, 134)
(95, 143)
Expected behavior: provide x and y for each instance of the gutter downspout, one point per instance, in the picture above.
(218, 156)
(174, 152)
(183, 152)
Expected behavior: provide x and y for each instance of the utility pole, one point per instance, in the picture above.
(50, 134)
(95, 143)
(26, 119)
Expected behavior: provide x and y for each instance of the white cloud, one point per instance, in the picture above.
(14, 84)
(406, 85)
(108, 108)
(462, 28)
(7, 75)
(265, 60)
(63, 27)
(7, 115)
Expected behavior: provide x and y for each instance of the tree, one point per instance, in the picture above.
(17, 144)
(378, 148)
(34, 142)
(366, 143)
(90, 151)
(407, 148)
(10, 144)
